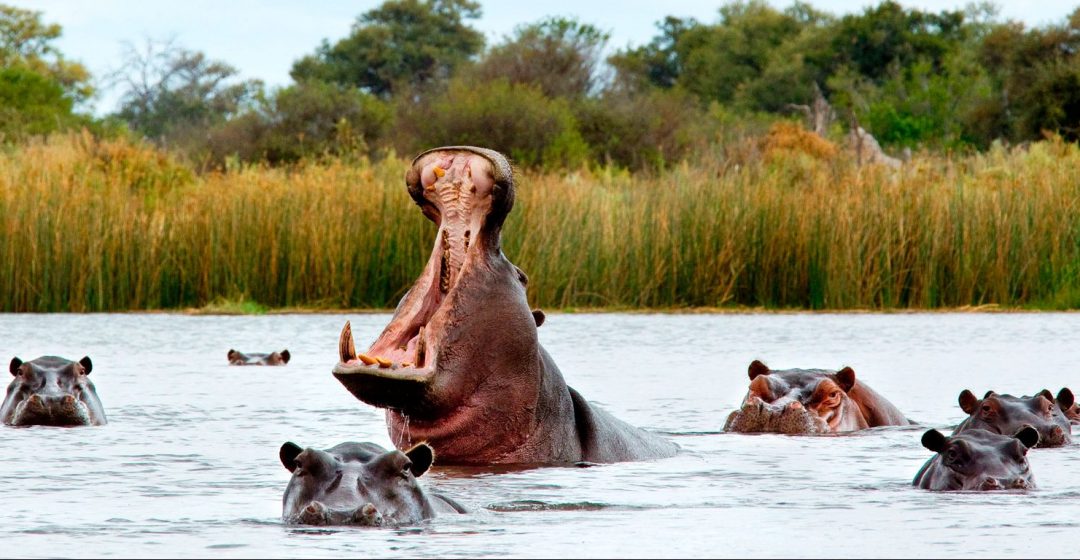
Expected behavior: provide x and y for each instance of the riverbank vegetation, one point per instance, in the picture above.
(98, 225)
(773, 158)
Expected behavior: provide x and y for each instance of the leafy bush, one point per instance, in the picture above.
(515, 119)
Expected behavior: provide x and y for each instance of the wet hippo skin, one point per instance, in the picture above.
(51, 391)
(977, 459)
(1006, 414)
(460, 365)
(810, 401)
(258, 358)
(359, 484)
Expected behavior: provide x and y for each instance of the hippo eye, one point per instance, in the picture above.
(406, 469)
(835, 395)
(986, 408)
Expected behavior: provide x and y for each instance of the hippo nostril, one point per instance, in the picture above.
(795, 406)
(69, 401)
(991, 484)
(36, 400)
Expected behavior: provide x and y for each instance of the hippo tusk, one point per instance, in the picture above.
(438, 171)
(383, 362)
(368, 360)
(346, 346)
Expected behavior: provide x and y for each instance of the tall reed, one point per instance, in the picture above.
(94, 225)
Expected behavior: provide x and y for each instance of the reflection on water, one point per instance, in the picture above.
(188, 463)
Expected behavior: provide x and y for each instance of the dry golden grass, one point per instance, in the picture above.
(91, 225)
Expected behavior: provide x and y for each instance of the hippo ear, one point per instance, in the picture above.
(1046, 394)
(757, 368)
(232, 353)
(288, 453)
(1065, 398)
(1028, 436)
(846, 378)
(988, 393)
(422, 456)
(538, 317)
(934, 441)
(16, 363)
(87, 365)
(285, 356)
(968, 401)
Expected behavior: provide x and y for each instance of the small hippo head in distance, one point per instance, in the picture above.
(978, 460)
(258, 358)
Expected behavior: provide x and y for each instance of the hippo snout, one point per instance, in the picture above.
(51, 404)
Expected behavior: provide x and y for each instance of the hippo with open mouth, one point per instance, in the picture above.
(810, 401)
(359, 484)
(258, 358)
(977, 459)
(460, 365)
(52, 391)
(1005, 414)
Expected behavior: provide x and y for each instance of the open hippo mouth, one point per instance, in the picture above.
(467, 192)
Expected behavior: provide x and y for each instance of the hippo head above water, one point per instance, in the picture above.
(1006, 414)
(359, 484)
(809, 401)
(258, 359)
(977, 460)
(51, 391)
(460, 365)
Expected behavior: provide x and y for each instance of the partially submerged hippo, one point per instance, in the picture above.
(460, 365)
(258, 359)
(810, 401)
(977, 460)
(1006, 414)
(1068, 405)
(359, 484)
(51, 391)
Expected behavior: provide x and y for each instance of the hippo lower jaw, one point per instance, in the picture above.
(65, 411)
(757, 416)
(317, 514)
(382, 386)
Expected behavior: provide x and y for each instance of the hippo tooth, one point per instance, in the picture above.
(467, 235)
(438, 171)
(383, 362)
(406, 364)
(420, 347)
(444, 271)
(346, 346)
(368, 360)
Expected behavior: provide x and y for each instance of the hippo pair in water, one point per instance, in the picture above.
(988, 450)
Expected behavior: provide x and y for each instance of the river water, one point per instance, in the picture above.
(188, 465)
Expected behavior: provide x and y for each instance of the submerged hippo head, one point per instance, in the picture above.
(1068, 405)
(51, 391)
(359, 484)
(460, 365)
(977, 460)
(258, 359)
(1006, 414)
(797, 401)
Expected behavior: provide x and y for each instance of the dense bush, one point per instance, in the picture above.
(516, 119)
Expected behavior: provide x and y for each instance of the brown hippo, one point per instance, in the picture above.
(52, 391)
(359, 484)
(810, 401)
(459, 365)
(977, 460)
(1006, 414)
(258, 359)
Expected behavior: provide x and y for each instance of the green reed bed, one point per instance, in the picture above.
(95, 226)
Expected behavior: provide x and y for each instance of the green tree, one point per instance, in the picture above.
(561, 56)
(26, 41)
(656, 63)
(309, 119)
(32, 104)
(172, 95)
(402, 44)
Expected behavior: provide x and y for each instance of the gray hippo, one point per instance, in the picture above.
(52, 391)
(359, 484)
(977, 460)
(810, 401)
(1006, 414)
(460, 365)
(258, 359)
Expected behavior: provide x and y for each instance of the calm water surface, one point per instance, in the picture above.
(188, 463)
